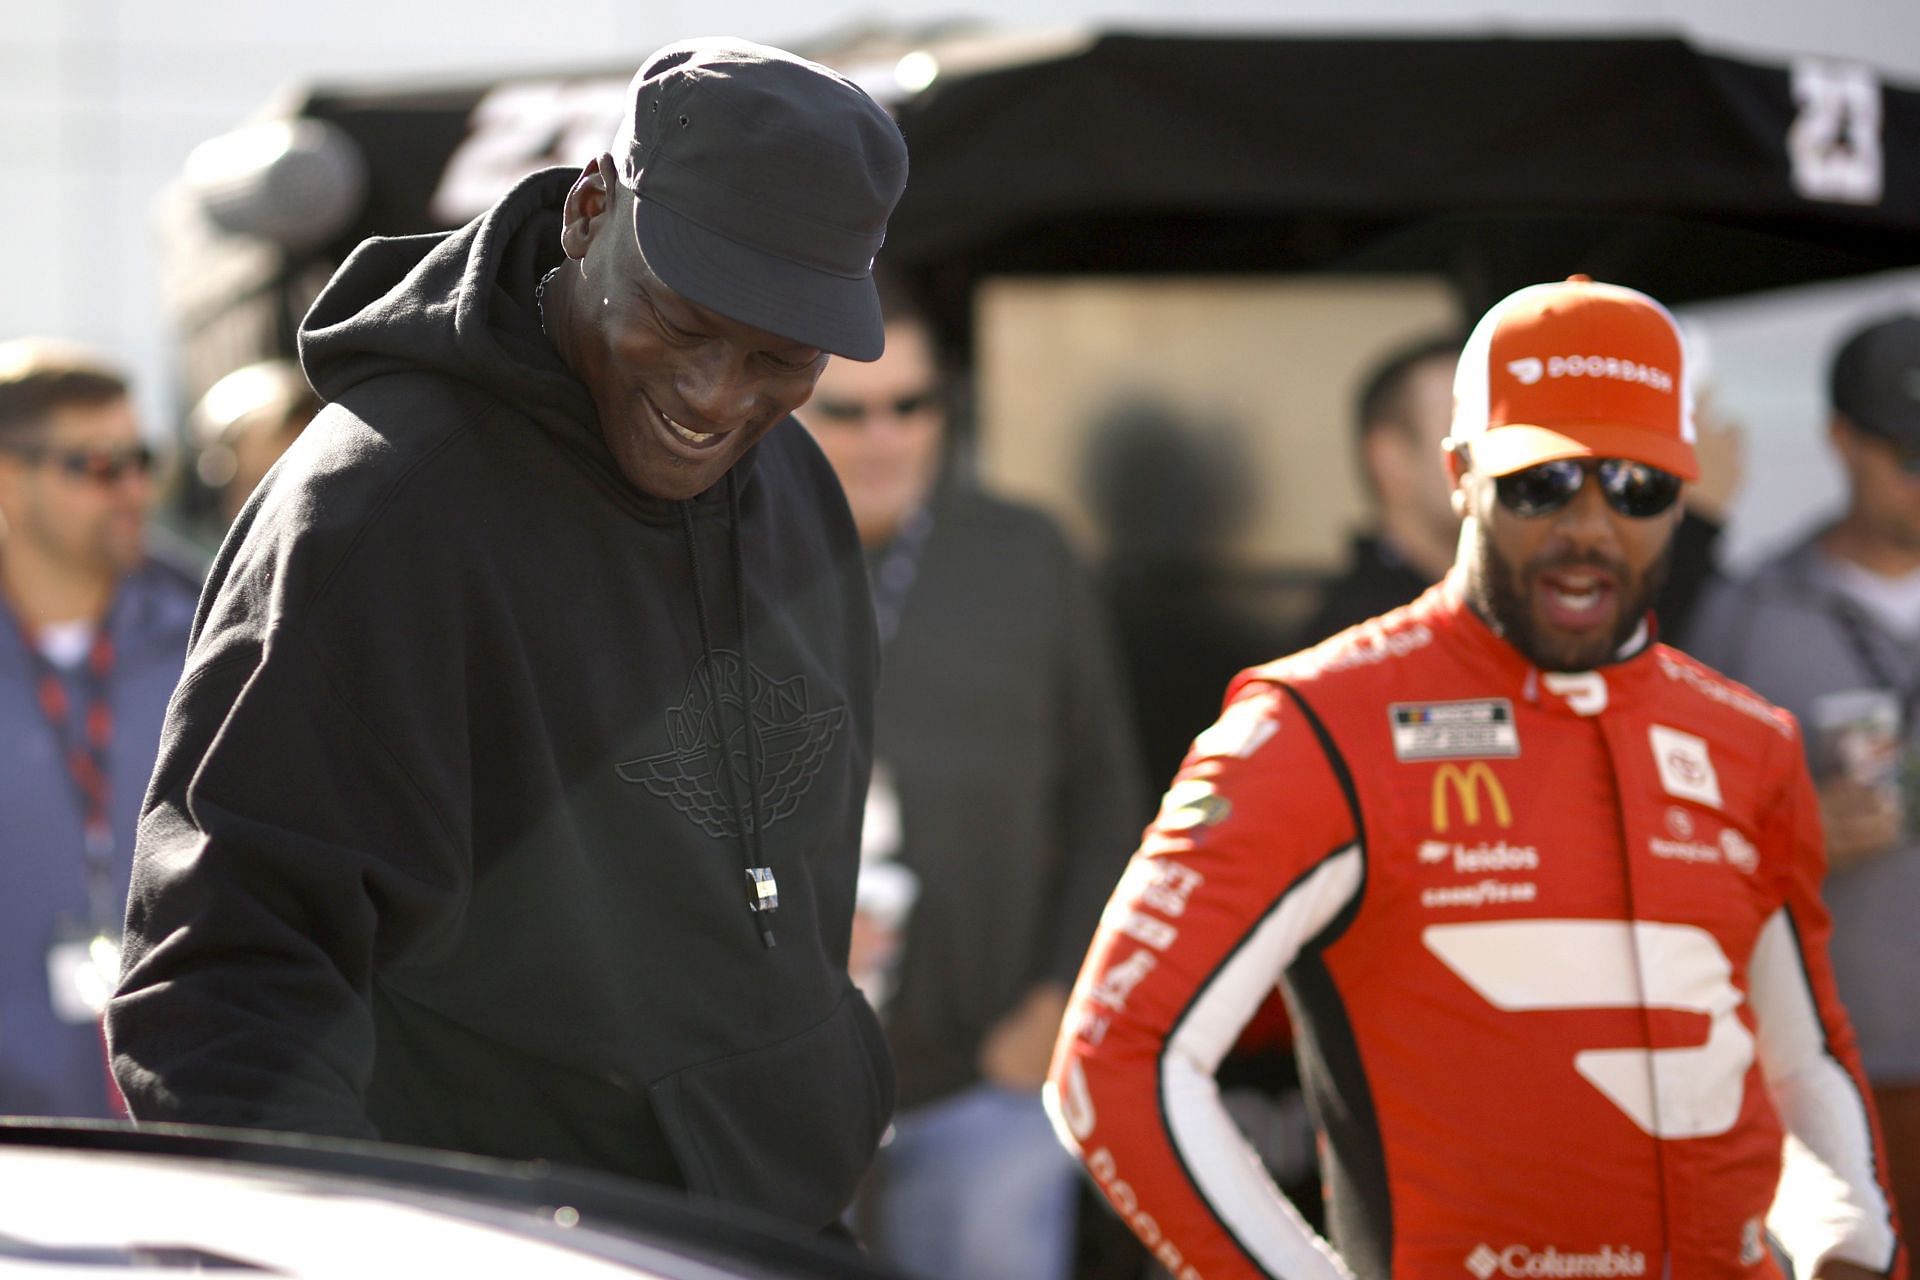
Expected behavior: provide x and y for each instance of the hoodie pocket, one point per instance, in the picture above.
(788, 1129)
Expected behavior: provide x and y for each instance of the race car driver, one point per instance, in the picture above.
(1542, 894)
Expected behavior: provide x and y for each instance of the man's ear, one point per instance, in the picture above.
(1383, 453)
(1840, 434)
(588, 203)
(1456, 457)
(12, 474)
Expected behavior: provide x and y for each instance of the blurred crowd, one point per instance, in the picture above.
(1032, 705)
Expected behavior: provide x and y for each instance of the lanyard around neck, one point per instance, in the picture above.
(1860, 638)
(84, 749)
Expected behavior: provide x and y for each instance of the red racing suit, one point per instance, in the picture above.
(1555, 953)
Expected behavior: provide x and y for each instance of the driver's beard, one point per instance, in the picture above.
(1496, 594)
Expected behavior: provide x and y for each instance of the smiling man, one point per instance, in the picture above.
(1544, 896)
(511, 800)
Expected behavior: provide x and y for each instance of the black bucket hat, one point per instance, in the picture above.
(762, 186)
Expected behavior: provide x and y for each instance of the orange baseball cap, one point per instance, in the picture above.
(1574, 370)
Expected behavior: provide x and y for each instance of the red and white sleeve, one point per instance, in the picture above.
(1833, 1200)
(1254, 853)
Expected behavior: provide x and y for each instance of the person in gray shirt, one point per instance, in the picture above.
(1831, 631)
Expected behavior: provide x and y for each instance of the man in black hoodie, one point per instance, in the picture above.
(530, 701)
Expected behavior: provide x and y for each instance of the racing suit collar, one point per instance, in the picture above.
(1576, 693)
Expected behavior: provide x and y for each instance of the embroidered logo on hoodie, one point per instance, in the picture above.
(727, 700)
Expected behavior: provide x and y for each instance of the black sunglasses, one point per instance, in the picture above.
(851, 411)
(1631, 488)
(102, 466)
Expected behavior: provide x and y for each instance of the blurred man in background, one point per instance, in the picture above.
(1401, 418)
(91, 645)
(1831, 631)
(1006, 779)
(242, 426)
(1170, 492)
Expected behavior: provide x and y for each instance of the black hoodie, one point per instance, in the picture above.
(445, 844)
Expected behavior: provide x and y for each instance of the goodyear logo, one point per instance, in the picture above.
(1466, 787)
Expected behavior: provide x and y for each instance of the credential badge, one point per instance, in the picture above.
(1476, 728)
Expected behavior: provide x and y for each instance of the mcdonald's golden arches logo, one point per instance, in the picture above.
(1468, 785)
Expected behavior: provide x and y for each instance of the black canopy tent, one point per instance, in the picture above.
(1496, 163)
(1490, 162)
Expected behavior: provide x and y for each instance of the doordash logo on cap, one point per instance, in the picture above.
(1529, 369)
(1572, 370)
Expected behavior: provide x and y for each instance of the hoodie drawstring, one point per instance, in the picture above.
(762, 899)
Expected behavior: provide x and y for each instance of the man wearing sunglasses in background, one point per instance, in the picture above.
(92, 636)
(1831, 629)
(1544, 896)
(1005, 800)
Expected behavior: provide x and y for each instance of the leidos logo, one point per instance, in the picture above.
(1467, 786)
(1480, 858)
